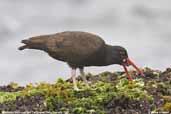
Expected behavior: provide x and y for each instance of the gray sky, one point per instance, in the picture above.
(143, 27)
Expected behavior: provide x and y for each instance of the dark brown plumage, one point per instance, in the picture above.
(78, 49)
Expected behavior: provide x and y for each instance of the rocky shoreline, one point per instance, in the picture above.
(110, 93)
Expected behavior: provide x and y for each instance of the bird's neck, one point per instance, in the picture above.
(112, 56)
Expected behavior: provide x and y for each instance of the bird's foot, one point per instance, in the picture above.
(87, 83)
(76, 88)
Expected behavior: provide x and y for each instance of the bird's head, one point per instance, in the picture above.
(123, 59)
(120, 55)
(38, 42)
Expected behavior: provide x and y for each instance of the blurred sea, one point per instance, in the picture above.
(143, 27)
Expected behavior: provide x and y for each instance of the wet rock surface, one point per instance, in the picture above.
(29, 103)
(124, 105)
(10, 89)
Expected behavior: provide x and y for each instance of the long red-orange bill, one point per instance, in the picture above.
(126, 71)
(138, 70)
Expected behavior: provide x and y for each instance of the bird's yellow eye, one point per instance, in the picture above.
(124, 60)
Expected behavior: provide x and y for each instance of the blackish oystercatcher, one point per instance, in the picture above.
(79, 50)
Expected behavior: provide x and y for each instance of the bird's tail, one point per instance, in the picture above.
(25, 42)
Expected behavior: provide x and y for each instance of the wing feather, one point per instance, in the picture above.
(75, 46)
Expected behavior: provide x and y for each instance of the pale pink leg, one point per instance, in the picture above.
(83, 76)
(73, 75)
